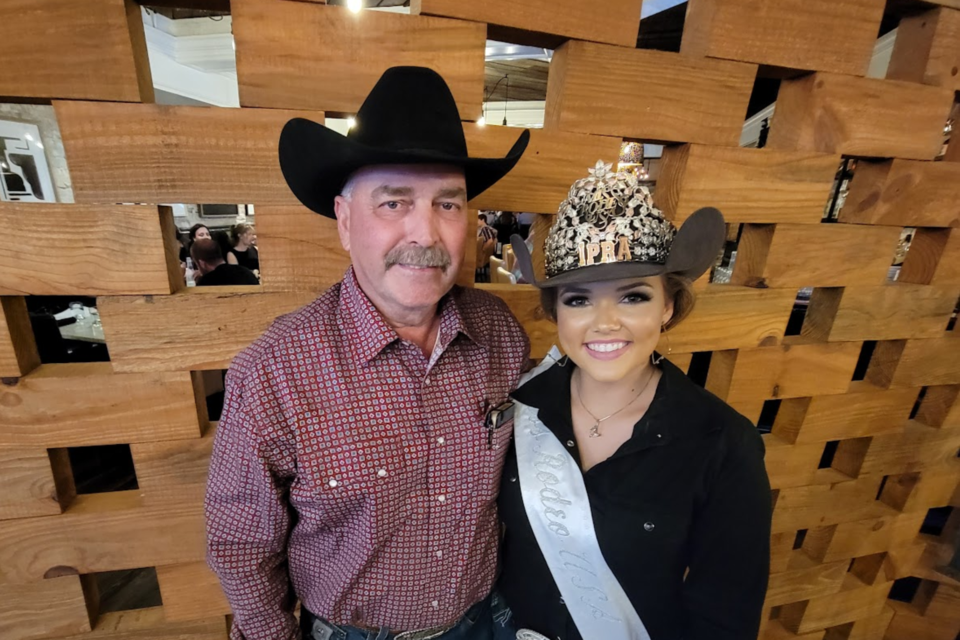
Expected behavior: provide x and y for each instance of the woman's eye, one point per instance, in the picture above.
(574, 301)
(636, 298)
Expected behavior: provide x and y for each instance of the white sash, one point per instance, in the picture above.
(558, 508)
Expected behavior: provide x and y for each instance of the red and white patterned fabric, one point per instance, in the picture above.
(353, 469)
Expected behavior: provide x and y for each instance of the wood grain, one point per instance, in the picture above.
(839, 417)
(815, 35)
(30, 484)
(100, 532)
(616, 24)
(933, 258)
(783, 372)
(191, 591)
(299, 250)
(173, 470)
(153, 623)
(552, 162)
(80, 51)
(855, 601)
(825, 505)
(18, 349)
(832, 113)
(646, 94)
(746, 185)
(44, 609)
(916, 363)
(200, 328)
(300, 55)
(915, 448)
(84, 404)
(798, 255)
(904, 193)
(927, 49)
(890, 312)
(160, 153)
(69, 249)
(805, 579)
(861, 537)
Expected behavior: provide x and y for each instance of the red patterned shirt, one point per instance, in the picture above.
(355, 470)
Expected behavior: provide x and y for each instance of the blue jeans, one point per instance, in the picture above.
(503, 623)
(476, 624)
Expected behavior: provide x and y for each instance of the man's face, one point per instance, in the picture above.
(405, 227)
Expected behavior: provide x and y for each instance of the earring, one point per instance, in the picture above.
(654, 358)
(562, 362)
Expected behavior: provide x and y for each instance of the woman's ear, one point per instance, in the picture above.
(667, 306)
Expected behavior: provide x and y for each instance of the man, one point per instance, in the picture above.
(214, 270)
(353, 467)
(486, 243)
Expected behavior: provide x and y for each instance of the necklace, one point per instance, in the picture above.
(595, 429)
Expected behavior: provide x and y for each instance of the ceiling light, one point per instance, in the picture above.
(482, 121)
(40, 144)
(355, 5)
(351, 123)
(29, 137)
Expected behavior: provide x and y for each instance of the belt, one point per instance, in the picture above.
(322, 630)
(423, 634)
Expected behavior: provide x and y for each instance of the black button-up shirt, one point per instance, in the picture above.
(687, 492)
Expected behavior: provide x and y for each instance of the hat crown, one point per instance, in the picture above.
(410, 109)
(607, 217)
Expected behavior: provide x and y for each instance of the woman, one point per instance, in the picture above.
(197, 231)
(244, 251)
(636, 504)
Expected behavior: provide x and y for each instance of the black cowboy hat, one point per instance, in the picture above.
(410, 117)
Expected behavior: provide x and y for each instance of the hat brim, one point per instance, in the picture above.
(316, 162)
(694, 249)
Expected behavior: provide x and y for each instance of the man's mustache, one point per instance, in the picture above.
(415, 256)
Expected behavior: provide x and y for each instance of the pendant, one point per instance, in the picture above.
(595, 431)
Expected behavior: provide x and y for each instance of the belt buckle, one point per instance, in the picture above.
(527, 634)
(422, 634)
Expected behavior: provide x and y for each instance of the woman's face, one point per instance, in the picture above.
(249, 237)
(609, 329)
(202, 234)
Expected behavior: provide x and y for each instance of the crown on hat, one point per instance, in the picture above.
(607, 218)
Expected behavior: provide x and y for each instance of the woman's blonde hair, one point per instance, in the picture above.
(238, 230)
(676, 288)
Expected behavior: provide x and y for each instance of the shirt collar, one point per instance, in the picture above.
(674, 404)
(370, 331)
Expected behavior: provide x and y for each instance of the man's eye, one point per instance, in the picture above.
(450, 206)
(393, 205)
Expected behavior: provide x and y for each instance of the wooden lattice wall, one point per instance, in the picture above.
(893, 458)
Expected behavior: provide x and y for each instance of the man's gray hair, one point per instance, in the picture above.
(347, 190)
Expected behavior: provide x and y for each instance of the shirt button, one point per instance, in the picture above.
(570, 443)
(435, 604)
(659, 436)
(440, 440)
(439, 553)
(333, 483)
(648, 526)
(442, 498)
(382, 473)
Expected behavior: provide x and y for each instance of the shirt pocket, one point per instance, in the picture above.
(369, 479)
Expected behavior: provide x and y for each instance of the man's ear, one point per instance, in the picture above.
(341, 206)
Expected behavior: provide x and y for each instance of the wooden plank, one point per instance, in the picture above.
(162, 153)
(904, 193)
(18, 349)
(80, 51)
(552, 162)
(888, 312)
(796, 465)
(791, 371)
(616, 24)
(927, 49)
(823, 505)
(860, 117)
(728, 317)
(804, 255)
(854, 602)
(923, 490)
(100, 532)
(69, 249)
(35, 482)
(199, 328)
(75, 405)
(647, 94)
(916, 363)
(44, 609)
(747, 185)
(805, 579)
(191, 591)
(153, 623)
(838, 417)
(862, 537)
(869, 628)
(797, 34)
(300, 55)
(933, 258)
(774, 630)
(174, 470)
(917, 447)
(939, 407)
(935, 618)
